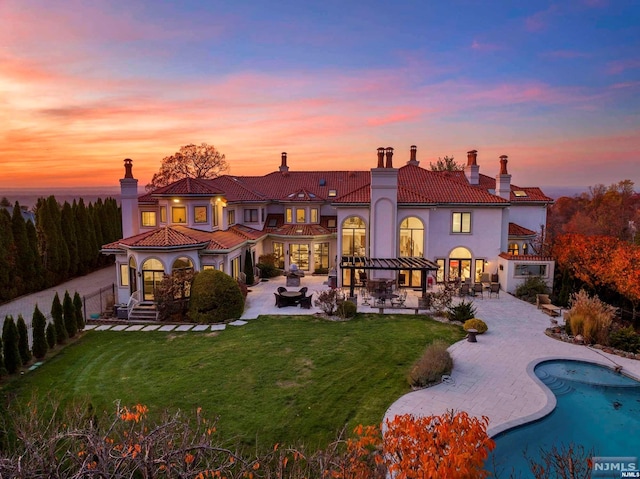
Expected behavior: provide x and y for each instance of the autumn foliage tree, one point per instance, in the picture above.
(192, 161)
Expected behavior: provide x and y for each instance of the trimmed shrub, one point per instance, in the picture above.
(23, 340)
(58, 321)
(248, 268)
(267, 266)
(77, 304)
(590, 317)
(3, 370)
(434, 363)
(215, 297)
(244, 289)
(532, 286)
(477, 324)
(12, 360)
(50, 332)
(347, 309)
(462, 311)
(442, 299)
(69, 315)
(626, 339)
(39, 325)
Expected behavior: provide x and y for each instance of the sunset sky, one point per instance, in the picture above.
(85, 84)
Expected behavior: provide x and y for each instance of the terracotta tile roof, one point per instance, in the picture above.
(283, 229)
(533, 194)
(188, 186)
(525, 257)
(301, 195)
(181, 236)
(236, 188)
(517, 230)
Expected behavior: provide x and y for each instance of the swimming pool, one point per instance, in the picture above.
(596, 408)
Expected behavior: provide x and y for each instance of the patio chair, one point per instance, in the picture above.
(477, 288)
(305, 302)
(281, 289)
(280, 301)
(304, 290)
(494, 288)
(362, 276)
(465, 290)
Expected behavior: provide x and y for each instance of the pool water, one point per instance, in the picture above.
(596, 408)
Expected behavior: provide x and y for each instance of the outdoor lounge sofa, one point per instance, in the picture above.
(544, 303)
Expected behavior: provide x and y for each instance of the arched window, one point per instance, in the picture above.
(354, 236)
(411, 237)
(183, 263)
(460, 263)
(513, 248)
(152, 273)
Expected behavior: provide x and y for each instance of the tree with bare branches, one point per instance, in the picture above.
(192, 161)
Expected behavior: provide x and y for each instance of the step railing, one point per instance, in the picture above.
(134, 300)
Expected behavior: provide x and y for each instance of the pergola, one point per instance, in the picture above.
(353, 263)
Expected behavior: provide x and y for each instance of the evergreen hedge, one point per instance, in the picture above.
(12, 361)
(77, 304)
(58, 320)
(23, 340)
(50, 333)
(69, 315)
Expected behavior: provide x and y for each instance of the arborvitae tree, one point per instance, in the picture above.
(69, 234)
(39, 280)
(63, 271)
(58, 321)
(52, 244)
(23, 340)
(82, 231)
(3, 370)
(7, 257)
(12, 361)
(50, 332)
(93, 240)
(248, 268)
(77, 304)
(69, 314)
(39, 325)
(25, 269)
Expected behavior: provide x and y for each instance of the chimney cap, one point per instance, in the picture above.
(128, 165)
(503, 164)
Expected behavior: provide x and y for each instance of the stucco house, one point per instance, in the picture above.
(464, 222)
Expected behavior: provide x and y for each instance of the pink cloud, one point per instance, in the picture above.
(620, 66)
(540, 21)
(486, 47)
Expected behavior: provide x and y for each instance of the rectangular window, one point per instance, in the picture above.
(199, 214)
(178, 214)
(301, 215)
(124, 275)
(288, 215)
(479, 270)
(231, 217)
(321, 258)
(215, 214)
(163, 214)
(262, 215)
(524, 269)
(461, 223)
(314, 215)
(251, 215)
(235, 267)
(205, 267)
(333, 193)
(278, 252)
(148, 218)
(440, 273)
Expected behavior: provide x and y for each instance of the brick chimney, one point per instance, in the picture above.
(283, 165)
(503, 180)
(380, 158)
(129, 201)
(412, 157)
(472, 170)
(389, 153)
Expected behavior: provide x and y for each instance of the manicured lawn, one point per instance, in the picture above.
(280, 379)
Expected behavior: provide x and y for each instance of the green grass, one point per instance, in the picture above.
(280, 379)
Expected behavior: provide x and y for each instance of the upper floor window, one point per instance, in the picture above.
(231, 217)
(354, 236)
(163, 214)
(149, 218)
(178, 214)
(215, 215)
(333, 193)
(314, 215)
(199, 214)
(301, 215)
(461, 223)
(288, 215)
(513, 248)
(251, 215)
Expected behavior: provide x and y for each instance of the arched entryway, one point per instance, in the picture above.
(459, 263)
(152, 274)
